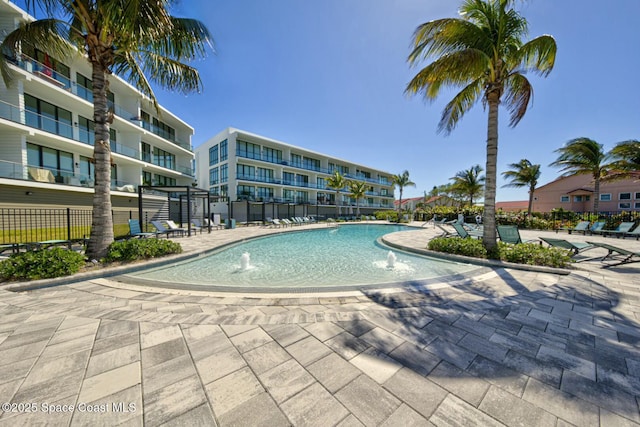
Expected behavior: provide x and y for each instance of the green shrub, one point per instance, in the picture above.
(135, 249)
(41, 264)
(387, 215)
(523, 253)
(458, 246)
(533, 254)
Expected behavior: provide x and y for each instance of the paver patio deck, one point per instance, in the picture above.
(506, 347)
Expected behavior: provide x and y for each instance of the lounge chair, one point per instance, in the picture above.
(275, 222)
(634, 233)
(511, 234)
(164, 229)
(286, 222)
(582, 226)
(575, 247)
(136, 231)
(174, 227)
(621, 230)
(614, 251)
(464, 233)
(596, 227)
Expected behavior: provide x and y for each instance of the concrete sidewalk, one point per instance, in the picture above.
(506, 347)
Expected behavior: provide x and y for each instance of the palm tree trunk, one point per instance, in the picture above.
(596, 195)
(489, 219)
(400, 205)
(102, 223)
(337, 205)
(530, 208)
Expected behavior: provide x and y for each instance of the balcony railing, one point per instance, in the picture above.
(18, 171)
(54, 77)
(64, 129)
(255, 156)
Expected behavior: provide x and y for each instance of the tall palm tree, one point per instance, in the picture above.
(483, 52)
(357, 190)
(402, 180)
(584, 156)
(137, 40)
(337, 182)
(625, 158)
(469, 182)
(523, 174)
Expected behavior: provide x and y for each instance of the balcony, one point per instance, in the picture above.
(278, 161)
(39, 121)
(52, 76)
(60, 177)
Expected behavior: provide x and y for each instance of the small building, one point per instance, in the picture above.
(576, 194)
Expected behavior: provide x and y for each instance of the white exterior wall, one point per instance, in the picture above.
(16, 132)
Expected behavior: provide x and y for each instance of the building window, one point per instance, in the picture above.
(164, 158)
(311, 164)
(213, 155)
(224, 190)
(296, 160)
(165, 180)
(245, 171)
(288, 195)
(577, 198)
(246, 192)
(624, 205)
(624, 196)
(302, 180)
(146, 178)
(60, 163)
(272, 155)
(213, 176)
(224, 173)
(265, 193)
(224, 150)
(214, 191)
(42, 115)
(288, 178)
(606, 197)
(265, 175)
(564, 199)
(321, 183)
(248, 150)
(146, 152)
(87, 131)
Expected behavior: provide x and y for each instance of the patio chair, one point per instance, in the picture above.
(445, 232)
(621, 230)
(582, 226)
(464, 233)
(164, 229)
(174, 227)
(196, 225)
(633, 233)
(575, 247)
(511, 234)
(136, 231)
(597, 227)
(614, 251)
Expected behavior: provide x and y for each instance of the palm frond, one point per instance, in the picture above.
(582, 156)
(127, 67)
(459, 105)
(46, 35)
(517, 96)
(171, 74)
(537, 55)
(626, 155)
(444, 36)
(455, 69)
(186, 40)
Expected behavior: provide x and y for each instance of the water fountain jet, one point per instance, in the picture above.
(391, 260)
(245, 259)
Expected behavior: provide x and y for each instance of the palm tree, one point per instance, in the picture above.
(484, 53)
(523, 174)
(137, 40)
(402, 180)
(584, 156)
(337, 182)
(626, 158)
(469, 182)
(358, 189)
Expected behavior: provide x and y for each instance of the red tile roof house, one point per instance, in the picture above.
(576, 193)
(513, 206)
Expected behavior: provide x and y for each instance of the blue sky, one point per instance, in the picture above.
(329, 75)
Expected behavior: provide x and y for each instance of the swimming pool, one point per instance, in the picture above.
(344, 257)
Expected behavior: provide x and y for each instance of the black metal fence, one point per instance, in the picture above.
(22, 225)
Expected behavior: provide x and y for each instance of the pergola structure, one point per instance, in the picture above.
(182, 192)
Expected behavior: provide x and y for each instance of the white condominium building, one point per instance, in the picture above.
(46, 133)
(244, 166)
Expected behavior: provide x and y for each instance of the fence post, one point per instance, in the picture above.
(69, 224)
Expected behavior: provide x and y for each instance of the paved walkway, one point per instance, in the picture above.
(507, 347)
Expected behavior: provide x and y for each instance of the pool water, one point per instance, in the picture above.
(347, 256)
